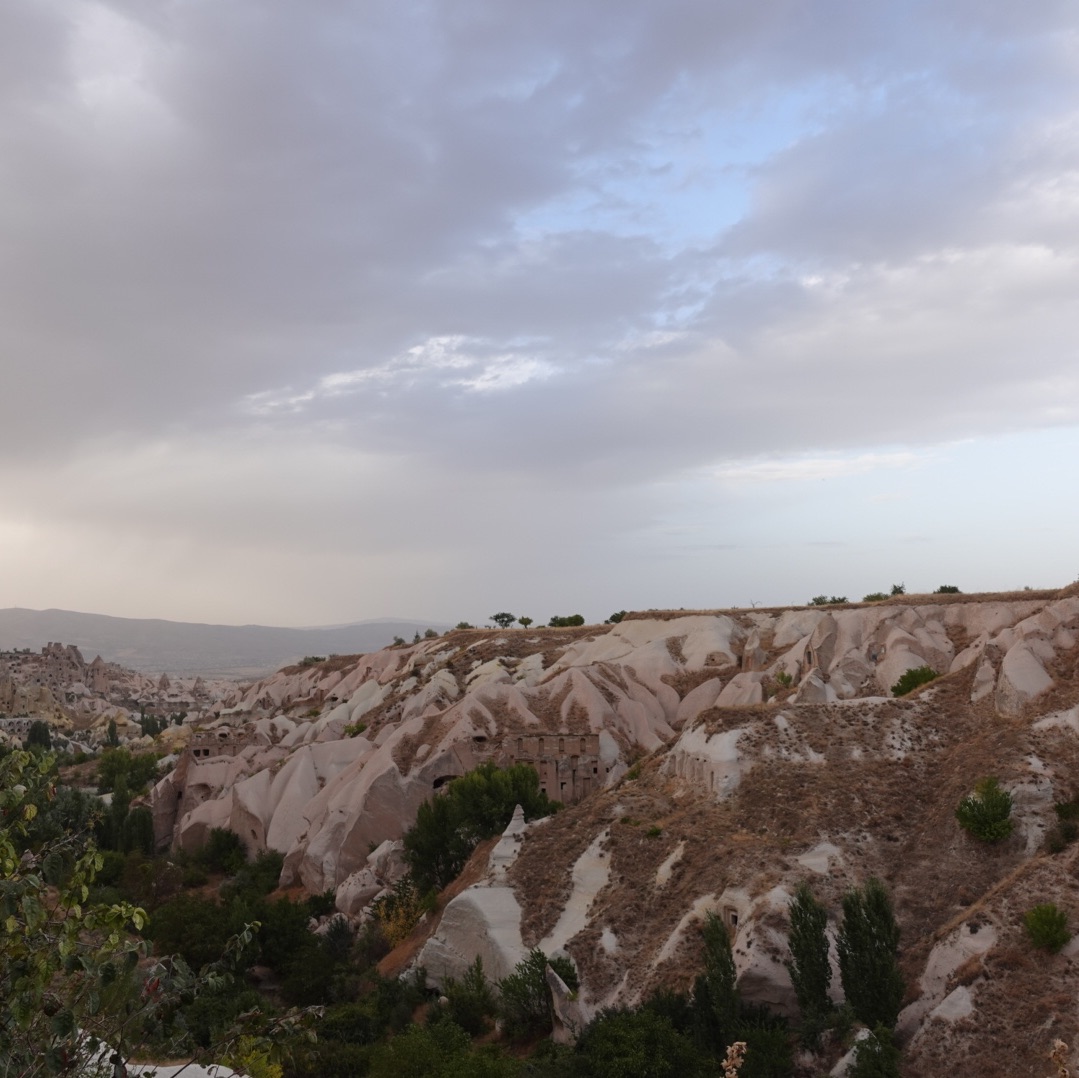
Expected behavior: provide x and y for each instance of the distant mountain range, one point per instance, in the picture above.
(151, 645)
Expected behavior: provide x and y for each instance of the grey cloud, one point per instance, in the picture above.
(230, 230)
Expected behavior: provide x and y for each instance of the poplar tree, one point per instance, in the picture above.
(810, 970)
(868, 955)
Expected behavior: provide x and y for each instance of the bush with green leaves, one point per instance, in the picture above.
(1066, 830)
(947, 589)
(913, 679)
(74, 976)
(875, 1055)
(1047, 926)
(619, 1043)
(868, 948)
(470, 808)
(525, 999)
(471, 1001)
(559, 622)
(119, 769)
(438, 1051)
(986, 813)
(826, 600)
(223, 851)
(874, 597)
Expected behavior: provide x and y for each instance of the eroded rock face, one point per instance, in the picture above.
(747, 715)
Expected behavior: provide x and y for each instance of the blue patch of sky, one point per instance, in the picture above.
(688, 175)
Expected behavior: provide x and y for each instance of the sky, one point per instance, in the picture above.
(313, 311)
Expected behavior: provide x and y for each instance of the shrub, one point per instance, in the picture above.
(947, 589)
(1047, 926)
(464, 625)
(912, 679)
(868, 948)
(826, 600)
(223, 851)
(899, 589)
(354, 729)
(621, 1042)
(874, 597)
(525, 998)
(471, 1001)
(875, 1056)
(118, 767)
(616, 617)
(399, 912)
(986, 813)
(471, 808)
(558, 622)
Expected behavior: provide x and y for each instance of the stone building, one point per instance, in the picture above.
(568, 765)
(224, 741)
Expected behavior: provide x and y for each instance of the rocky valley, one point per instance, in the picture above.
(709, 761)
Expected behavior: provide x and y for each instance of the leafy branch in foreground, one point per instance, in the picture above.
(72, 972)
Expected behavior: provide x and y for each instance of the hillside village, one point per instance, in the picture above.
(709, 761)
(78, 699)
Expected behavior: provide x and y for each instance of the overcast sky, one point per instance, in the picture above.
(316, 310)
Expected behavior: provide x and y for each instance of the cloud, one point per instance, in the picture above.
(278, 262)
(806, 469)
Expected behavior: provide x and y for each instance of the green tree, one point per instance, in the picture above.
(559, 622)
(471, 1001)
(504, 620)
(525, 1002)
(876, 1056)
(621, 1043)
(471, 808)
(715, 993)
(111, 736)
(524, 622)
(38, 736)
(868, 955)
(441, 1050)
(986, 813)
(810, 970)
